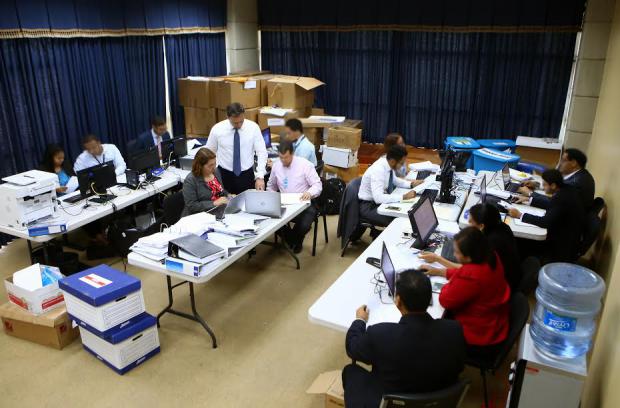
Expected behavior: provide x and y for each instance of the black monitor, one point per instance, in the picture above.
(145, 161)
(173, 149)
(387, 268)
(483, 190)
(423, 221)
(96, 179)
(267, 137)
(445, 191)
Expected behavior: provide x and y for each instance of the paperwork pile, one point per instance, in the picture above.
(155, 246)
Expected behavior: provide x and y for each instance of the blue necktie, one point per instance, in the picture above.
(237, 154)
(390, 187)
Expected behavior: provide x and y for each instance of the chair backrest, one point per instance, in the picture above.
(131, 148)
(530, 267)
(348, 219)
(319, 167)
(449, 397)
(173, 207)
(519, 314)
(593, 225)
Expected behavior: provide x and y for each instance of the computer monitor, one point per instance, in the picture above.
(423, 221)
(445, 191)
(173, 149)
(506, 175)
(96, 179)
(483, 190)
(267, 137)
(145, 161)
(387, 268)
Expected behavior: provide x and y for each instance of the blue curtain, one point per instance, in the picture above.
(192, 55)
(429, 85)
(57, 90)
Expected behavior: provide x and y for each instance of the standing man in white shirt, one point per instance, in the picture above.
(96, 153)
(379, 183)
(235, 141)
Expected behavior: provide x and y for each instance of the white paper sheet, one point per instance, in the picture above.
(291, 198)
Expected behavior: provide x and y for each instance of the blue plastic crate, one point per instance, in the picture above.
(504, 145)
(462, 143)
(493, 160)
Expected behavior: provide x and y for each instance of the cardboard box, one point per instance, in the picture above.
(337, 157)
(198, 121)
(49, 329)
(263, 80)
(250, 113)
(276, 123)
(344, 137)
(194, 92)
(314, 135)
(37, 301)
(225, 91)
(292, 92)
(329, 384)
(345, 175)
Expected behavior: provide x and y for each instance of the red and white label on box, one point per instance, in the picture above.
(95, 280)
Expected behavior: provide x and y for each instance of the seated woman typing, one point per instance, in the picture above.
(54, 162)
(476, 295)
(203, 189)
(501, 240)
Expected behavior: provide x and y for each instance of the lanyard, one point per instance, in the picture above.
(100, 162)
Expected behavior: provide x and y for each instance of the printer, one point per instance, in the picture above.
(27, 197)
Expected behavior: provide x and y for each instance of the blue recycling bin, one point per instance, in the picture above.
(503, 145)
(463, 143)
(493, 160)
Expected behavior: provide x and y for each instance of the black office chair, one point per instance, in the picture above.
(132, 147)
(593, 225)
(320, 205)
(350, 226)
(319, 167)
(519, 314)
(449, 397)
(529, 275)
(173, 207)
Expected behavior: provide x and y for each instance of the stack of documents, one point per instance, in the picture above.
(196, 224)
(195, 249)
(155, 246)
(425, 165)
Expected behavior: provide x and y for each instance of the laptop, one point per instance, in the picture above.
(508, 184)
(267, 203)
(387, 268)
(271, 152)
(235, 204)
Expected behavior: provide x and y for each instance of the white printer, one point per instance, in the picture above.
(27, 197)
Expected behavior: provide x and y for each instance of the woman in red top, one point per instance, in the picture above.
(476, 295)
(202, 189)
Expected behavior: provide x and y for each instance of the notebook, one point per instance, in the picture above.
(194, 249)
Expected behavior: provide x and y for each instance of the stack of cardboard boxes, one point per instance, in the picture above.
(108, 306)
(340, 152)
(37, 312)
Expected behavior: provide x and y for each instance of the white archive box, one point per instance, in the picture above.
(338, 157)
(102, 298)
(126, 347)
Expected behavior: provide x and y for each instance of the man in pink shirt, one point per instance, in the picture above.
(293, 174)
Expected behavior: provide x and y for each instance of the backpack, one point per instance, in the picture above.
(333, 189)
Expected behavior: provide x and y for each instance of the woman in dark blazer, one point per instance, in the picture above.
(203, 189)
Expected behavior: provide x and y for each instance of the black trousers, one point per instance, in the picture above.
(368, 213)
(361, 388)
(303, 223)
(237, 184)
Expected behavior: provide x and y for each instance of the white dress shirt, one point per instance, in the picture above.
(375, 183)
(110, 153)
(221, 141)
(156, 141)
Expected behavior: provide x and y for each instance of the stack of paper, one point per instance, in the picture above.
(155, 246)
(227, 241)
(425, 165)
(291, 198)
(196, 224)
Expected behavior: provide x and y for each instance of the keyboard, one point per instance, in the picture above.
(74, 199)
(103, 198)
(423, 174)
(430, 193)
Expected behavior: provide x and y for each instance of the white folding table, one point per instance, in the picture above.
(336, 306)
(212, 269)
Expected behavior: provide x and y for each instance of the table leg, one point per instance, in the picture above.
(194, 316)
(30, 252)
(286, 248)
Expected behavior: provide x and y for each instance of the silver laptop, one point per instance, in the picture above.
(265, 203)
(235, 205)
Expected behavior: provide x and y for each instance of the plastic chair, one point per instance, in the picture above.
(519, 314)
(321, 212)
(449, 397)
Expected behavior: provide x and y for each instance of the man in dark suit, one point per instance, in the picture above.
(154, 136)
(417, 354)
(573, 168)
(564, 218)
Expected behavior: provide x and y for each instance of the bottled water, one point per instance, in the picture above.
(568, 299)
